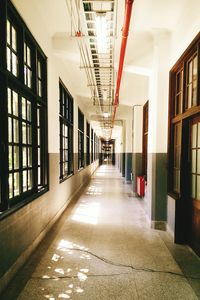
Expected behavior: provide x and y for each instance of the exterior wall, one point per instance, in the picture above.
(24, 228)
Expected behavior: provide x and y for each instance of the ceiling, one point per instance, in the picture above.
(147, 16)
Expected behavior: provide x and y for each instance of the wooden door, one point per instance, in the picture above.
(194, 182)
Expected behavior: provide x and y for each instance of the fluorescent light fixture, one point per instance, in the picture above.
(106, 114)
(101, 27)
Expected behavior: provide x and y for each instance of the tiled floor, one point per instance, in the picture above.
(102, 248)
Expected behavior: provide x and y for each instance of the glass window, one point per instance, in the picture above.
(179, 93)
(27, 65)
(177, 156)
(66, 133)
(195, 161)
(80, 139)
(12, 54)
(192, 72)
(88, 144)
(25, 161)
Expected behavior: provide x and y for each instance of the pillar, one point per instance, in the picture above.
(157, 135)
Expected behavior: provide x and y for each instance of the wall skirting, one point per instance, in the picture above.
(159, 225)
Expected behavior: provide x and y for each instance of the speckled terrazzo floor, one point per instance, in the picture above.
(102, 248)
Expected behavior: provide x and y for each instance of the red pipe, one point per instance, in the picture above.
(127, 18)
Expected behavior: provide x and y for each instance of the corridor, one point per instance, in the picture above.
(103, 248)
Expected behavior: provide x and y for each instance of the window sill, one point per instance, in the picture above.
(174, 195)
(65, 178)
(15, 208)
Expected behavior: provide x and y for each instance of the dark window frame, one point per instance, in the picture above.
(66, 118)
(182, 117)
(81, 158)
(87, 143)
(15, 83)
(92, 145)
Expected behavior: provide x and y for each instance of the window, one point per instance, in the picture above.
(176, 157)
(195, 160)
(80, 139)
(66, 133)
(92, 145)
(183, 106)
(12, 52)
(23, 113)
(95, 147)
(179, 93)
(27, 65)
(88, 144)
(191, 74)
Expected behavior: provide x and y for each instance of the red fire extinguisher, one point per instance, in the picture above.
(140, 186)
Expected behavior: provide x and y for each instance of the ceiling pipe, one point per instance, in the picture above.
(125, 30)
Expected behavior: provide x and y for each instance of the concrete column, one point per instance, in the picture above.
(157, 137)
(137, 143)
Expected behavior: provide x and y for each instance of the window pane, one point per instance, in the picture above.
(39, 69)
(25, 75)
(23, 133)
(38, 131)
(195, 68)
(28, 110)
(29, 157)
(39, 156)
(15, 104)
(198, 161)
(14, 39)
(190, 71)
(29, 76)
(24, 157)
(193, 186)
(30, 181)
(14, 64)
(198, 188)
(8, 59)
(9, 102)
(10, 157)
(16, 131)
(8, 32)
(199, 135)
(24, 181)
(194, 93)
(16, 184)
(194, 161)
(194, 135)
(189, 95)
(16, 157)
(24, 108)
(39, 176)
(9, 129)
(10, 183)
(40, 88)
(29, 134)
(28, 57)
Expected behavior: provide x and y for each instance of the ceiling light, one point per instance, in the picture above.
(106, 114)
(101, 32)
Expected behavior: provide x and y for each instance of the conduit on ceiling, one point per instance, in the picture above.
(125, 30)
